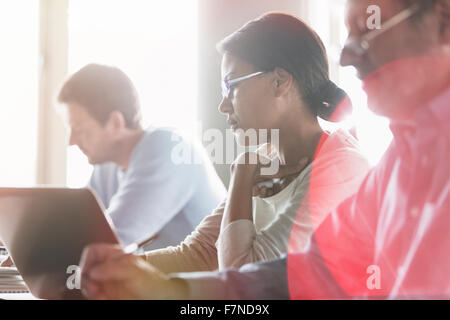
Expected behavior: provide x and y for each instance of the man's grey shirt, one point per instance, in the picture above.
(169, 187)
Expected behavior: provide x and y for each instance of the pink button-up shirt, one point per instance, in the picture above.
(391, 239)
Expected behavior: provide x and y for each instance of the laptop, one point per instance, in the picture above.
(45, 231)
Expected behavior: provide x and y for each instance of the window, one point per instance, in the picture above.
(326, 17)
(154, 42)
(19, 83)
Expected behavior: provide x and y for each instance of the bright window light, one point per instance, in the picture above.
(326, 17)
(154, 43)
(19, 94)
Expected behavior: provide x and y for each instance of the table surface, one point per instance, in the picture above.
(17, 296)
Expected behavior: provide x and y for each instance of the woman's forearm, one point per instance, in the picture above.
(239, 201)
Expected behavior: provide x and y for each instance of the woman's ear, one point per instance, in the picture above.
(282, 82)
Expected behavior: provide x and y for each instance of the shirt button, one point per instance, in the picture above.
(414, 212)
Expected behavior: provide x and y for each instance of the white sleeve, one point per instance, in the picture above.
(333, 180)
(154, 191)
(196, 253)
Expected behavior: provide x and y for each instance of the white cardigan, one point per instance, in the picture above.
(335, 174)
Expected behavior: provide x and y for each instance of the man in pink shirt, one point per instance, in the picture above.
(391, 239)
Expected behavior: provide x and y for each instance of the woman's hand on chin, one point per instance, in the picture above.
(248, 166)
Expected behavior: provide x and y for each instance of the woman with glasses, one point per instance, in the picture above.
(275, 77)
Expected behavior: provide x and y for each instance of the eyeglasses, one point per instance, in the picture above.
(361, 45)
(228, 85)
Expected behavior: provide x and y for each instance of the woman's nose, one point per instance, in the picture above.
(225, 106)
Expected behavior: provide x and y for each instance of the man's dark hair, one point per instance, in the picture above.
(101, 90)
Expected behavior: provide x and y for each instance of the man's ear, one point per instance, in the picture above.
(116, 122)
(282, 82)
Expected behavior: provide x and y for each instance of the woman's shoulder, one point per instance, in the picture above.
(341, 138)
(340, 144)
(341, 159)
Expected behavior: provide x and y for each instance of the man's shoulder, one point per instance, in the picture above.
(343, 148)
(165, 146)
(169, 140)
(163, 136)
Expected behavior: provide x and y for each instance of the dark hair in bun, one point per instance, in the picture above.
(278, 40)
(326, 100)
